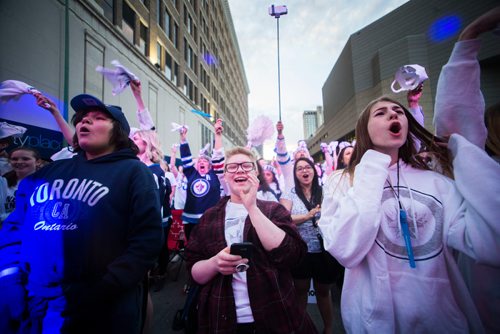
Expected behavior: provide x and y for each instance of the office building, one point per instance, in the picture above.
(312, 119)
(185, 52)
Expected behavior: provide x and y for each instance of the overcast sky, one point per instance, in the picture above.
(312, 35)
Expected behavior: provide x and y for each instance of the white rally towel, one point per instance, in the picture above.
(13, 89)
(120, 77)
(204, 150)
(7, 130)
(261, 129)
(178, 127)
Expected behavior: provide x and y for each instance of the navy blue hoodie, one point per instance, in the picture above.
(92, 224)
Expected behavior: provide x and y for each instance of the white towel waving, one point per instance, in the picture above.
(13, 89)
(261, 129)
(120, 77)
(178, 127)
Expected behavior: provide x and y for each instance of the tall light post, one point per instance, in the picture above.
(277, 11)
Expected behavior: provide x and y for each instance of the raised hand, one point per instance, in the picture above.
(279, 128)
(413, 96)
(136, 87)
(183, 133)
(218, 127)
(248, 195)
(45, 103)
(173, 150)
(486, 22)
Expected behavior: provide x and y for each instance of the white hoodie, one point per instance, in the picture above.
(381, 293)
(460, 108)
(460, 105)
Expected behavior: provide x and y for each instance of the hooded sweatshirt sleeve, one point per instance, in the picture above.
(285, 162)
(218, 159)
(187, 159)
(145, 119)
(350, 223)
(476, 228)
(459, 106)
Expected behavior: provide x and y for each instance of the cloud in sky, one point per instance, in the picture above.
(312, 35)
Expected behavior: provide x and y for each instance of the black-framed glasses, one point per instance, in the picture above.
(247, 166)
(303, 169)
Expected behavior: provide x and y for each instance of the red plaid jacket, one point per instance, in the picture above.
(270, 284)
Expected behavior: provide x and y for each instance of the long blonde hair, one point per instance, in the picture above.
(153, 149)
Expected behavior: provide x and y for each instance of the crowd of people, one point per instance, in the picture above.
(403, 220)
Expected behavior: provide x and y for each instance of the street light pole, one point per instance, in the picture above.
(277, 11)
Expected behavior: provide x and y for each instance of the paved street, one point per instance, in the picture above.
(171, 298)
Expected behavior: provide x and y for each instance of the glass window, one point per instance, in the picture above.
(176, 74)
(176, 36)
(128, 23)
(159, 55)
(143, 40)
(189, 24)
(106, 7)
(158, 11)
(167, 23)
(168, 65)
(185, 50)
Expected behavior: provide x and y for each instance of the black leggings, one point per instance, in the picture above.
(164, 254)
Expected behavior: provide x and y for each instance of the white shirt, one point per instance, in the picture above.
(234, 225)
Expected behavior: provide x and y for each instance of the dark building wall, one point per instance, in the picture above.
(367, 64)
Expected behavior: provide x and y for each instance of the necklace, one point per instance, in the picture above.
(403, 221)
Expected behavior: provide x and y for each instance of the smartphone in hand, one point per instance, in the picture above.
(243, 249)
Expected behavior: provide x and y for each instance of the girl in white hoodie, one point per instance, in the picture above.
(394, 224)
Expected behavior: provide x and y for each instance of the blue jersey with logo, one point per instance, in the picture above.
(203, 192)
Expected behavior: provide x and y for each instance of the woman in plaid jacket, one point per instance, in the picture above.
(262, 298)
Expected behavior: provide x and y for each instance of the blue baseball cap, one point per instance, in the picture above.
(86, 102)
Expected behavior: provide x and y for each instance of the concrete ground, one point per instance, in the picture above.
(172, 297)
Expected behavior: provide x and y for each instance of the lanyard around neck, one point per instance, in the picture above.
(403, 221)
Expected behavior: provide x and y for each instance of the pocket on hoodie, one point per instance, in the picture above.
(376, 303)
(423, 304)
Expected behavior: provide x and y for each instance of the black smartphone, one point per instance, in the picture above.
(243, 249)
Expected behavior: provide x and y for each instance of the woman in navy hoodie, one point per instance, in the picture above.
(88, 229)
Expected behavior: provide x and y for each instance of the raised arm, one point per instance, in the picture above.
(350, 219)
(283, 157)
(173, 154)
(459, 106)
(143, 115)
(328, 159)
(218, 128)
(413, 98)
(218, 155)
(47, 104)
